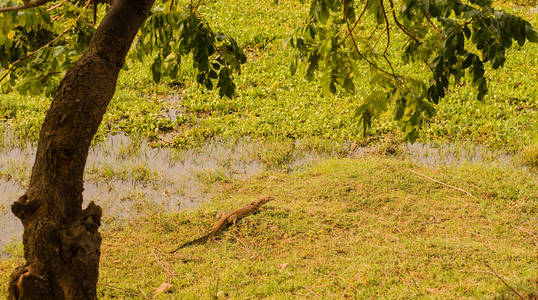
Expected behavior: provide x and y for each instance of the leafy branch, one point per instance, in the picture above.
(350, 34)
(15, 63)
(26, 5)
(331, 46)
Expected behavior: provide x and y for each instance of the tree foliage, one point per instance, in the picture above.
(38, 45)
(169, 36)
(454, 39)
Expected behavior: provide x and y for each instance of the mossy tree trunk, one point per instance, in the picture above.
(61, 240)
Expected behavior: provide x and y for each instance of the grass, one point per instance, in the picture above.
(357, 228)
(270, 104)
(362, 228)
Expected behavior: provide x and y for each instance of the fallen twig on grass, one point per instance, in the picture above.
(246, 247)
(441, 183)
(503, 281)
(526, 231)
(226, 219)
(163, 266)
(417, 288)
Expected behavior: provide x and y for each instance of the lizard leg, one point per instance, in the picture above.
(232, 219)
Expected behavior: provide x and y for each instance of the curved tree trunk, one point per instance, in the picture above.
(61, 240)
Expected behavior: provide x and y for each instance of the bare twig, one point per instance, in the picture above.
(55, 6)
(382, 5)
(417, 288)
(405, 30)
(196, 6)
(526, 231)
(441, 183)
(373, 31)
(170, 272)
(359, 18)
(350, 32)
(26, 5)
(245, 246)
(312, 291)
(376, 42)
(142, 292)
(431, 23)
(12, 66)
(503, 281)
(56, 17)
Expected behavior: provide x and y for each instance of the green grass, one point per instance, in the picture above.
(272, 105)
(363, 228)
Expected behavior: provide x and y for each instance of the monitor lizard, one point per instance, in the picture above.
(226, 219)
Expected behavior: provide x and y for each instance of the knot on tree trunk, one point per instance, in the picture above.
(91, 217)
(80, 240)
(25, 206)
(64, 264)
(26, 283)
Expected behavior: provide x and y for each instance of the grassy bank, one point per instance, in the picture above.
(365, 228)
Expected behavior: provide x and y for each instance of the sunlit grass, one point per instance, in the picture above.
(270, 104)
(364, 228)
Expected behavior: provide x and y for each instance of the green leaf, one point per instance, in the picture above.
(326, 47)
(200, 78)
(156, 69)
(531, 34)
(323, 14)
(213, 74)
(348, 84)
(293, 66)
(174, 71)
(433, 94)
(208, 84)
(468, 61)
(311, 31)
(399, 108)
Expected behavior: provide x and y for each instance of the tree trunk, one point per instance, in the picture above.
(61, 240)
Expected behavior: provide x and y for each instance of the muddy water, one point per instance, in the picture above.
(129, 178)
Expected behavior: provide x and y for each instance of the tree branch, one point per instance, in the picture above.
(55, 6)
(360, 16)
(405, 30)
(376, 42)
(12, 66)
(26, 5)
(441, 183)
(388, 35)
(350, 33)
(373, 31)
(431, 23)
(503, 281)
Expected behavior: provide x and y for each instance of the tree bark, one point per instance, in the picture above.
(61, 240)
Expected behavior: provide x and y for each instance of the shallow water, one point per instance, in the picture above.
(129, 178)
